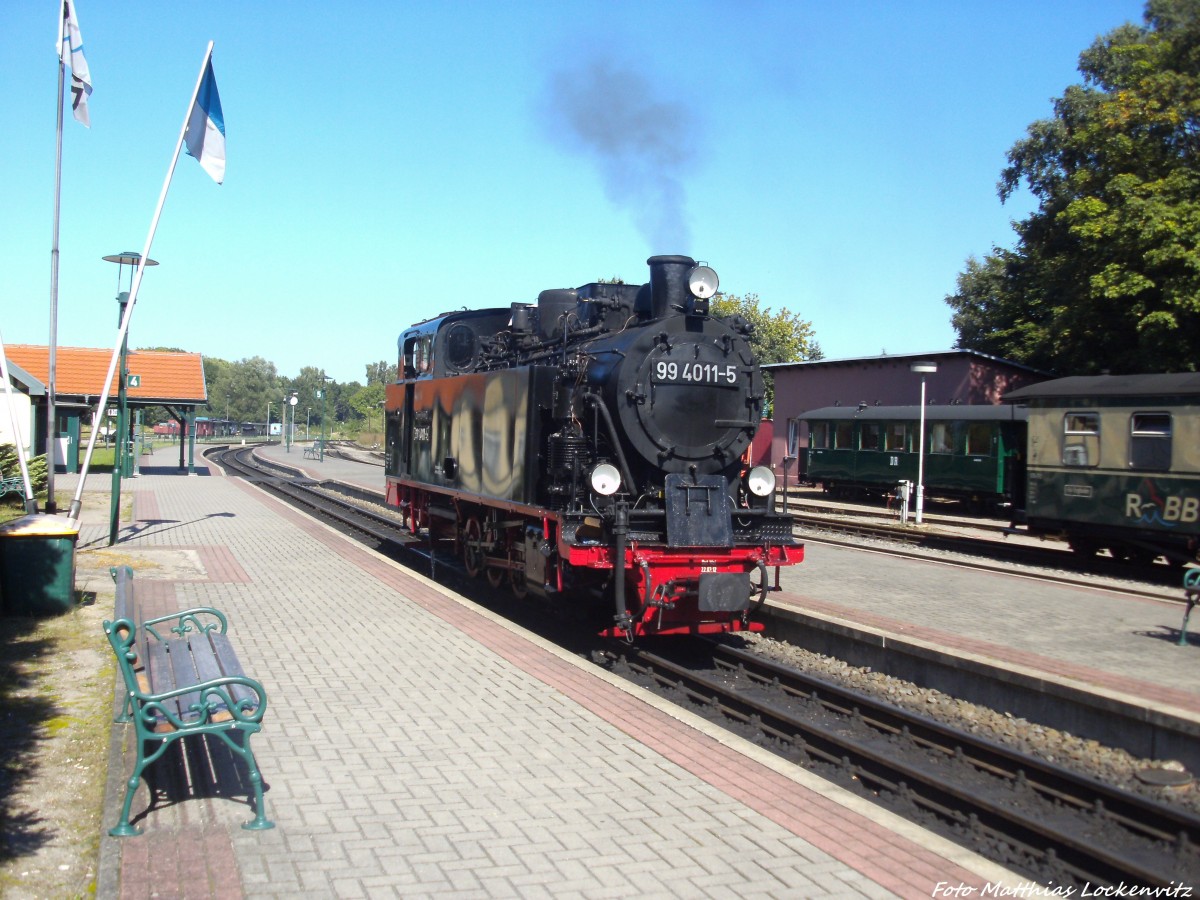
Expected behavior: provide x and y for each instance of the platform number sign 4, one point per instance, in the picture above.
(134, 381)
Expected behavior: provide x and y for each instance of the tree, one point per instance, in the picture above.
(368, 403)
(382, 372)
(251, 384)
(1106, 271)
(774, 338)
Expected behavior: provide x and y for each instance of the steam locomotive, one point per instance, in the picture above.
(592, 444)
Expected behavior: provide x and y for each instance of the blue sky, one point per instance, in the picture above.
(387, 162)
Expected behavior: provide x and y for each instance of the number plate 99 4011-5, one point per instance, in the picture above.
(672, 372)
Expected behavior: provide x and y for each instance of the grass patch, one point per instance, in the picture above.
(56, 691)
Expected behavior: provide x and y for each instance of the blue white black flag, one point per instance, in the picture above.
(70, 54)
(205, 134)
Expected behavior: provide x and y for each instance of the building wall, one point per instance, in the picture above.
(23, 412)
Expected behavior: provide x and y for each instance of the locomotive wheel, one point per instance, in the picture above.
(473, 555)
(516, 581)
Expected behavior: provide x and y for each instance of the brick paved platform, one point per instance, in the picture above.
(1113, 641)
(416, 745)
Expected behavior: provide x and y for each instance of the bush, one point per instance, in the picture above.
(10, 467)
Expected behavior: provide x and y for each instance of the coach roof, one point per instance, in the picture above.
(979, 412)
(1158, 386)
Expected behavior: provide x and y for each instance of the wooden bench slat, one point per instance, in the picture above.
(156, 661)
(231, 665)
(210, 665)
(184, 669)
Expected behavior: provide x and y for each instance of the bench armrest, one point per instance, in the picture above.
(188, 620)
(210, 699)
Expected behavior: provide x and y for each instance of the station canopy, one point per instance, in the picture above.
(156, 377)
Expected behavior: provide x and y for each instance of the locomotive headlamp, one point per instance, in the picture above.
(605, 479)
(761, 481)
(702, 282)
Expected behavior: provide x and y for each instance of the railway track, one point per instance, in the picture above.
(306, 493)
(1060, 565)
(1056, 826)
(1052, 824)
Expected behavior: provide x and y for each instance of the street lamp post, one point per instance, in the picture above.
(268, 434)
(321, 396)
(308, 424)
(119, 449)
(923, 368)
(292, 401)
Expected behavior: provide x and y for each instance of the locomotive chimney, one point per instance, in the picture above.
(669, 284)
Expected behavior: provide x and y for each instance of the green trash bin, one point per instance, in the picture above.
(37, 565)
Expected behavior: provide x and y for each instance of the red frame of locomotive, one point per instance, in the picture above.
(662, 565)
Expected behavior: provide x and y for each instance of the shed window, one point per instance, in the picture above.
(1150, 441)
(895, 436)
(793, 438)
(1081, 439)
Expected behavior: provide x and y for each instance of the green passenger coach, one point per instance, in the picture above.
(1114, 463)
(972, 453)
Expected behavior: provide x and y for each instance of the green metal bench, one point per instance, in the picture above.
(182, 678)
(14, 485)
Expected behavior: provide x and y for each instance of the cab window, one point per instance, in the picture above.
(418, 356)
(1150, 441)
(460, 346)
(1081, 439)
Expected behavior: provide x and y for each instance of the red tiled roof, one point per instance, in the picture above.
(80, 371)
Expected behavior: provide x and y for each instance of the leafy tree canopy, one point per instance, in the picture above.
(774, 337)
(1106, 271)
(382, 372)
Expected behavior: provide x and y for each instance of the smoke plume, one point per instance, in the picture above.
(642, 145)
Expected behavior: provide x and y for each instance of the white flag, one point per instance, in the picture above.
(70, 54)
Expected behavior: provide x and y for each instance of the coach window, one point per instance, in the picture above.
(871, 435)
(843, 436)
(1150, 441)
(1081, 439)
(941, 438)
(895, 437)
(979, 439)
(818, 436)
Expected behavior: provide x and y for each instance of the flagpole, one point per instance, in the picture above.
(51, 418)
(77, 502)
